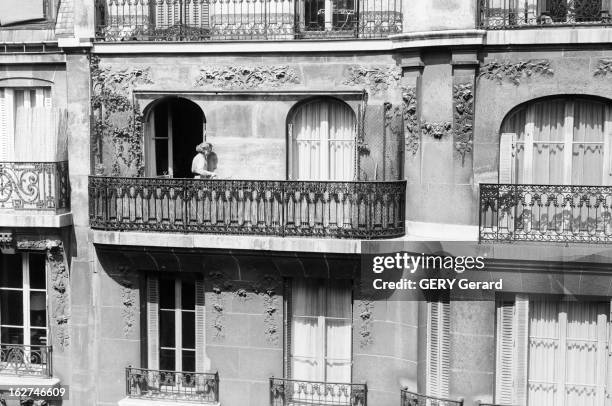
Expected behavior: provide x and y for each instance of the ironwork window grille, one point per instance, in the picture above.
(23, 314)
(501, 14)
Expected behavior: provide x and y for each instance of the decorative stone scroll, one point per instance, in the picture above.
(246, 77)
(500, 71)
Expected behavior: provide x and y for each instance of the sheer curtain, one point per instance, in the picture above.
(321, 330)
(323, 146)
(588, 143)
(567, 353)
(548, 142)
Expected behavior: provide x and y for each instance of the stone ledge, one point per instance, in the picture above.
(149, 402)
(38, 220)
(549, 35)
(28, 381)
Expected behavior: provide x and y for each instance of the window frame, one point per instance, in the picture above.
(26, 305)
(288, 321)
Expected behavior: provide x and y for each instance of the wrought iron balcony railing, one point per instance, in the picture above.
(201, 387)
(221, 20)
(415, 399)
(362, 210)
(555, 213)
(503, 14)
(34, 186)
(25, 360)
(288, 392)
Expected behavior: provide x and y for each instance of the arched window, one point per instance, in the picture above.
(322, 141)
(563, 141)
(175, 126)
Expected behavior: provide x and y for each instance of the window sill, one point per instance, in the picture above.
(162, 402)
(29, 381)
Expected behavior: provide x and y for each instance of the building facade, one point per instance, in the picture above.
(339, 127)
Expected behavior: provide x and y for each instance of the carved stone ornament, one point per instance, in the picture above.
(437, 130)
(603, 68)
(412, 131)
(375, 78)
(246, 77)
(513, 72)
(60, 295)
(463, 118)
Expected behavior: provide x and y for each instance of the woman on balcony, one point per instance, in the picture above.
(205, 162)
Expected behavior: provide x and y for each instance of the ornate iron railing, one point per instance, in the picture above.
(287, 392)
(22, 360)
(34, 186)
(415, 399)
(478, 403)
(556, 213)
(363, 210)
(217, 20)
(503, 14)
(201, 387)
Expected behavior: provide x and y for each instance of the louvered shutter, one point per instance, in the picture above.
(521, 348)
(287, 327)
(505, 354)
(438, 345)
(3, 126)
(47, 97)
(290, 171)
(607, 154)
(200, 327)
(506, 157)
(152, 322)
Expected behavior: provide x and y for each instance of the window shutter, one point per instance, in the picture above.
(521, 348)
(290, 148)
(287, 327)
(506, 157)
(153, 322)
(607, 155)
(200, 327)
(3, 126)
(505, 354)
(47, 97)
(602, 356)
(438, 344)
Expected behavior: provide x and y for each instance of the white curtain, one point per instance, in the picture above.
(567, 353)
(588, 143)
(323, 141)
(548, 142)
(321, 331)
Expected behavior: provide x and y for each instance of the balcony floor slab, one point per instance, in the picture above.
(35, 219)
(166, 402)
(27, 381)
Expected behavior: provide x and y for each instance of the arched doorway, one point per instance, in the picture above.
(322, 135)
(175, 126)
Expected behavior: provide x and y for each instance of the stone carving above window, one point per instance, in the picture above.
(247, 77)
(501, 71)
(603, 68)
(374, 78)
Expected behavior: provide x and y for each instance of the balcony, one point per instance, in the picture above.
(551, 213)
(149, 384)
(352, 210)
(501, 14)
(286, 392)
(415, 399)
(25, 360)
(239, 20)
(39, 186)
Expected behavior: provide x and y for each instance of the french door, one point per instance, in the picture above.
(322, 141)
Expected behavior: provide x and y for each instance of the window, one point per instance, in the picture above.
(438, 348)
(328, 15)
(320, 331)
(557, 141)
(322, 141)
(13, 12)
(23, 299)
(551, 352)
(175, 309)
(27, 119)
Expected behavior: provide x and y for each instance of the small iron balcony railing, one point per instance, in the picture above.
(503, 14)
(231, 20)
(360, 210)
(34, 186)
(554, 213)
(287, 392)
(26, 360)
(201, 387)
(415, 399)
